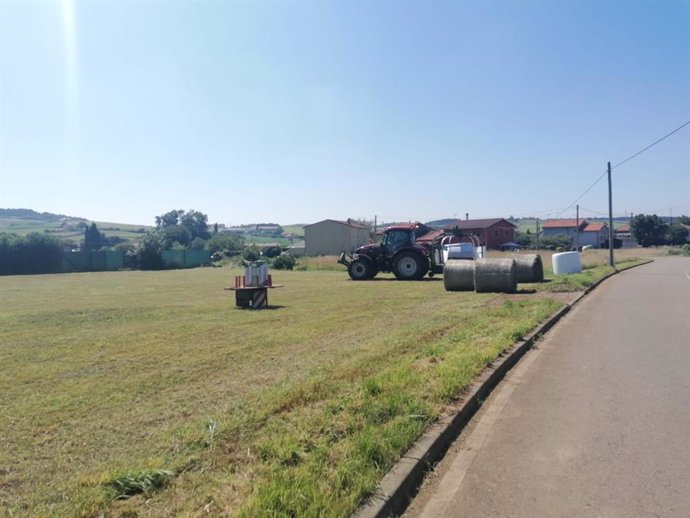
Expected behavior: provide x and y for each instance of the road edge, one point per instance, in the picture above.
(402, 482)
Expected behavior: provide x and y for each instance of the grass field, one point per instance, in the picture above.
(149, 394)
(297, 230)
(22, 227)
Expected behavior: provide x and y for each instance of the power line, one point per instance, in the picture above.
(623, 162)
(594, 211)
(582, 195)
(651, 145)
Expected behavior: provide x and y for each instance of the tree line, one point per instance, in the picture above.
(174, 230)
(33, 253)
(651, 230)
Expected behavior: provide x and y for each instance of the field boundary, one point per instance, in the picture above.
(402, 482)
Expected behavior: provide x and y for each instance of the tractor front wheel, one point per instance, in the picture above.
(409, 266)
(360, 270)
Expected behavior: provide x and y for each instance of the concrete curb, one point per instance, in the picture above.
(402, 482)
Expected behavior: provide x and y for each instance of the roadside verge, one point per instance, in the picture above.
(402, 482)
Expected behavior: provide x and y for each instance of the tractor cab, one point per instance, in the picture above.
(396, 238)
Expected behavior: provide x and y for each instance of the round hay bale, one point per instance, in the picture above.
(529, 268)
(495, 275)
(458, 275)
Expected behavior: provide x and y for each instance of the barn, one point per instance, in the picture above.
(331, 237)
(491, 233)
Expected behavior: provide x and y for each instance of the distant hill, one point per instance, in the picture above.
(440, 223)
(68, 228)
(29, 214)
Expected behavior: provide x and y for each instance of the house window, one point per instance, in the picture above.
(495, 233)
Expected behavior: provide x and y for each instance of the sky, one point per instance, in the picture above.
(298, 111)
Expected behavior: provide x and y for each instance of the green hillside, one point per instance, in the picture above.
(68, 228)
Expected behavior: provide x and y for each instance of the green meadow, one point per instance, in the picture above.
(150, 394)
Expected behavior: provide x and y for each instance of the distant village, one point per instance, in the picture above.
(330, 236)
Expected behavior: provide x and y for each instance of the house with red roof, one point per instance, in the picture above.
(563, 227)
(491, 233)
(593, 234)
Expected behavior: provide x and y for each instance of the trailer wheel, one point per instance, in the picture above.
(360, 270)
(409, 266)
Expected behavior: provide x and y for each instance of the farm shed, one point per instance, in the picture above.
(330, 237)
(624, 235)
(296, 249)
(491, 233)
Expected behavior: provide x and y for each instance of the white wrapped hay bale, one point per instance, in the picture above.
(566, 262)
(529, 268)
(495, 275)
(458, 275)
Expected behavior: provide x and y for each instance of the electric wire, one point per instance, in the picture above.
(623, 162)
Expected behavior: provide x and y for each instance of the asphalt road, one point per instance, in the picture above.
(594, 422)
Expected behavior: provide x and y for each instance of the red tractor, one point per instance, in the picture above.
(409, 251)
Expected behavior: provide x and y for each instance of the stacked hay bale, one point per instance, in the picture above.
(495, 275)
(529, 268)
(458, 275)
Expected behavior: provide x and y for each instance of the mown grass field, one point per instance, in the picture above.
(152, 385)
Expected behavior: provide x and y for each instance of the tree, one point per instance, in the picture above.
(684, 220)
(93, 239)
(33, 253)
(525, 239)
(676, 234)
(556, 242)
(271, 251)
(175, 234)
(225, 243)
(284, 262)
(183, 227)
(169, 219)
(649, 230)
(196, 222)
(197, 244)
(149, 254)
(251, 253)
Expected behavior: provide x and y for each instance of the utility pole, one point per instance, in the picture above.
(577, 228)
(611, 261)
(375, 223)
(537, 233)
(630, 239)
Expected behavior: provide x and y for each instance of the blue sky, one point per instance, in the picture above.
(293, 112)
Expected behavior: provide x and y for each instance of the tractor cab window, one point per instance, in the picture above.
(395, 239)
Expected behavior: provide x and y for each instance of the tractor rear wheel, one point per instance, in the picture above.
(409, 266)
(360, 270)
